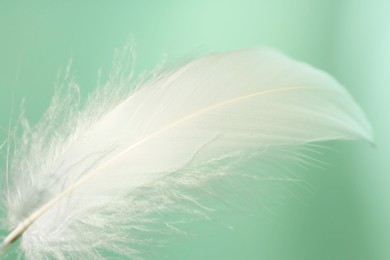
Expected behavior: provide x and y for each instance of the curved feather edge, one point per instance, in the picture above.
(95, 179)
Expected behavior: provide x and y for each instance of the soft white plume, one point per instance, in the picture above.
(91, 180)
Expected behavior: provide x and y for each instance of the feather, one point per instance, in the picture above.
(86, 181)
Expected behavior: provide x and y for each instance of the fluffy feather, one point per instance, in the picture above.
(84, 183)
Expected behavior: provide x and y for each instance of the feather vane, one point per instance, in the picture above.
(91, 183)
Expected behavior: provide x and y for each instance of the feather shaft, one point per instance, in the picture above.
(21, 228)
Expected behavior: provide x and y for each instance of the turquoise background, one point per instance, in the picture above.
(343, 212)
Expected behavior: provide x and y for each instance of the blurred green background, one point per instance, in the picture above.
(343, 212)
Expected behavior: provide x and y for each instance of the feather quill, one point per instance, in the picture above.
(86, 181)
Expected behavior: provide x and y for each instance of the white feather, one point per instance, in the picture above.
(83, 183)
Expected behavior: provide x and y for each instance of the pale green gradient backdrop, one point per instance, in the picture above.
(343, 213)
